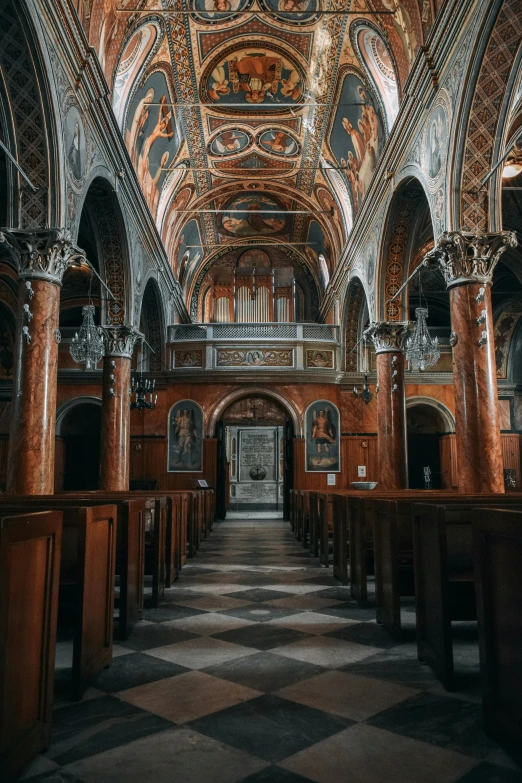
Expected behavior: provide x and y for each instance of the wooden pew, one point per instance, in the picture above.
(498, 557)
(313, 535)
(293, 508)
(30, 546)
(130, 546)
(393, 547)
(444, 580)
(340, 537)
(87, 575)
(305, 520)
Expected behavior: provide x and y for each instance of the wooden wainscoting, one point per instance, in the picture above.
(511, 446)
(148, 460)
(355, 450)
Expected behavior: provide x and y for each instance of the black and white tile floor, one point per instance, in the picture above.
(257, 667)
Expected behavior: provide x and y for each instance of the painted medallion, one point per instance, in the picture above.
(278, 142)
(253, 214)
(297, 12)
(229, 142)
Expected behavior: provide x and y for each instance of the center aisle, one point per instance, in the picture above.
(257, 667)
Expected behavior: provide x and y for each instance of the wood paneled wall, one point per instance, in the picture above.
(511, 447)
(148, 460)
(355, 450)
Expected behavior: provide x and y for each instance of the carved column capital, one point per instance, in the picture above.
(44, 254)
(119, 341)
(388, 336)
(465, 257)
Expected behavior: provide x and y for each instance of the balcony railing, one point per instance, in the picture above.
(253, 332)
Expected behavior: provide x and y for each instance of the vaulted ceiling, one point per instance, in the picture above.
(255, 121)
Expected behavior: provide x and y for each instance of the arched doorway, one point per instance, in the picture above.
(424, 425)
(255, 436)
(79, 431)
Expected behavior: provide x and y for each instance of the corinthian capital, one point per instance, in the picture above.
(44, 254)
(388, 336)
(465, 257)
(119, 341)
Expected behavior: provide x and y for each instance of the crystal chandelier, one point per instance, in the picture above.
(421, 350)
(141, 388)
(87, 344)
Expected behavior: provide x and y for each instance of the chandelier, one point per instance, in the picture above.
(421, 350)
(87, 344)
(366, 395)
(141, 388)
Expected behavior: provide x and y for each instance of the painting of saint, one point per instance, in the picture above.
(250, 216)
(185, 449)
(253, 77)
(436, 142)
(219, 10)
(230, 142)
(75, 143)
(322, 437)
(278, 142)
(151, 136)
(357, 136)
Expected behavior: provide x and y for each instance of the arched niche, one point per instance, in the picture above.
(427, 420)
(246, 392)
(78, 430)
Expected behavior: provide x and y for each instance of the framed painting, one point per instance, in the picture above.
(322, 438)
(185, 438)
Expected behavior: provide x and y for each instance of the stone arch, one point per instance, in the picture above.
(152, 325)
(69, 405)
(248, 391)
(444, 412)
(406, 210)
(490, 81)
(27, 89)
(102, 205)
(355, 308)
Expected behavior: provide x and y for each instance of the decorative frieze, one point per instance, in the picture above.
(120, 340)
(254, 358)
(188, 358)
(465, 257)
(388, 336)
(320, 359)
(43, 255)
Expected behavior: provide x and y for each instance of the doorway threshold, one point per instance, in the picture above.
(254, 515)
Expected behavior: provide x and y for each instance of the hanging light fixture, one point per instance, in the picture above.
(87, 344)
(421, 350)
(141, 387)
(366, 394)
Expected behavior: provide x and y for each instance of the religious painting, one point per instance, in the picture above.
(75, 143)
(436, 140)
(320, 359)
(185, 450)
(296, 12)
(404, 27)
(322, 438)
(230, 142)
(189, 249)
(131, 62)
(188, 358)
(252, 214)
(357, 136)
(278, 142)
(151, 136)
(253, 76)
(254, 259)
(216, 11)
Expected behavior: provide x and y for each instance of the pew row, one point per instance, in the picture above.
(29, 544)
(497, 538)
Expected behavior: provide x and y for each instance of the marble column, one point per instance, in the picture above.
(42, 257)
(115, 434)
(467, 262)
(389, 339)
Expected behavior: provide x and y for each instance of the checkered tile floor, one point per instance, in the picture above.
(257, 667)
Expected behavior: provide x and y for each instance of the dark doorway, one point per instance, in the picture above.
(81, 434)
(424, 426)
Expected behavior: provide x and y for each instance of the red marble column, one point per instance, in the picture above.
(389, 338)
(115, 439)
(42, 259)
(467, 262)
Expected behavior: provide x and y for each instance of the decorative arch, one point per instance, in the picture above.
(69, 405)
(379, 64)
(356, 305)
(406, 211)
(139, 47)
(430, 402)
(248, 391)
(487, 110)
(106, 215)
(152, 322)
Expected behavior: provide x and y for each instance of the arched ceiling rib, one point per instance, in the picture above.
(232, 109)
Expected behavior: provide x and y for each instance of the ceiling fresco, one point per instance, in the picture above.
(261, 120)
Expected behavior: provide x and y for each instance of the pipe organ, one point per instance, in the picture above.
(251, 295)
